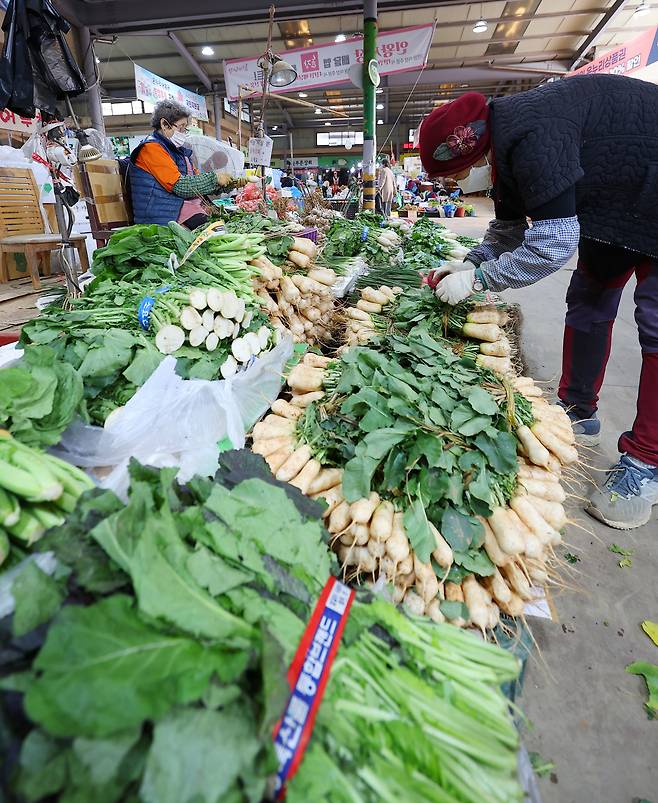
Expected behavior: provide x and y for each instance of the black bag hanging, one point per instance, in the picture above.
(16, 50)
(6, 69)
(51, 51)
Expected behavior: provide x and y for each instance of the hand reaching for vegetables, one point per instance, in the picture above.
(451, 266)
(455, 287)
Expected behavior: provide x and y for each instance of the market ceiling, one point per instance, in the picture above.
(525, 42)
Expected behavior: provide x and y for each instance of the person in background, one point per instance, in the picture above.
(386, 186)
(551, 149)
(164, 184)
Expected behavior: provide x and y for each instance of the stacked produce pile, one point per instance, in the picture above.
(318, 214)
(439, 473)
(164, 678)
(107, 343)
(297, 294)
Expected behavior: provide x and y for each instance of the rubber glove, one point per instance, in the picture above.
(451, 266)
(456, 287)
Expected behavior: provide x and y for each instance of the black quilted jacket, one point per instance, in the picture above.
(599, 132)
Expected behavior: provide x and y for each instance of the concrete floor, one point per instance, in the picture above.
(585, 713)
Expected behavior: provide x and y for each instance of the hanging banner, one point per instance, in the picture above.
(151, 88)
(627, 59)
(328, 65)
(13, 122)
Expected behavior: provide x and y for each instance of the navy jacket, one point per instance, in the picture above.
(597, 132)
(152, 203)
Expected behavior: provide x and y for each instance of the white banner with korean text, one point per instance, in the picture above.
(328, 65)
(152, 88)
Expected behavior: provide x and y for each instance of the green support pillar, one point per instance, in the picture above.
(369, 104)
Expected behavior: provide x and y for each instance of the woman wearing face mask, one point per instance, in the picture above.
(551, 150)
(164, 184)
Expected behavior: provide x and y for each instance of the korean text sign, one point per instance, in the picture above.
(151, 88)
(329, 64)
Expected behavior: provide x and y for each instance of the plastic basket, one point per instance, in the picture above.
(9, 337)
(310, 234)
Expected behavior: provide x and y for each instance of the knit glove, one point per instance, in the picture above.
(456, 287)
(452, 266)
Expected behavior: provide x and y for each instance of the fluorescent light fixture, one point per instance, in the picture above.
(275, 128)
(318, 111)
(480, 26)
(206, 50)
(380, 122)
(327, 123)
(303, 95)
(379, 91)
(642, 9)
(380, 106)
(340, 37)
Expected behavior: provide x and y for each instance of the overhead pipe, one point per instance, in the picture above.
(197, 69)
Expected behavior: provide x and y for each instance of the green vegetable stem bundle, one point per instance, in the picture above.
(36, 492)
(192, 601)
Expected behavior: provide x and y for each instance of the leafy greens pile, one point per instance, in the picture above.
(425, 427)
(163, 681)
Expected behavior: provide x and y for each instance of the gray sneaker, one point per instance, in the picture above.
(627, 495)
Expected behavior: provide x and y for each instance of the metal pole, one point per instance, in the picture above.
(292, 155)
(93, 94)
(217, 114)
(369, 104)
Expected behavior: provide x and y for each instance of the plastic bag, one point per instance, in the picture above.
(177, 422)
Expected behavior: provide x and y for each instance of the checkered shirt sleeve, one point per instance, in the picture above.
(547, 246)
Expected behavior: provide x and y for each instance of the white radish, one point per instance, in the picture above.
(214, 298)
(236, 330)
(286, 410)
(239, 310)
(208, 320)
(198, 299)
(362, 510)
(434, 612)
(339, 519)
(442, 553)
(229, 367)
(509, 538)
(537, 452)
(475, 602)
(381, 525)
(229, 305)
(307, 475)
(413, 604)
(241, 350)
(169, 339)
(189, 318)
(495, 553)
(327, 478)
(212, 341)
(294, 464)
(254, 343)
(263, 336)
(277, 459)
(198, 336)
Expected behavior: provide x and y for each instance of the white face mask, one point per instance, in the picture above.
(478, 180)
(178, 138)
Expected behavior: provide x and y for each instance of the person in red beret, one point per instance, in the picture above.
(550, 152)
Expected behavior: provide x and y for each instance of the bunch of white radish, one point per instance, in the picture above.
(361, 326)
(388, 239)
(484, 323)
(302, 252)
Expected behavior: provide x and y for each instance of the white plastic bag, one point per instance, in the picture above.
(177, 422)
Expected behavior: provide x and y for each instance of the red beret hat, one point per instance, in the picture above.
(456, 135)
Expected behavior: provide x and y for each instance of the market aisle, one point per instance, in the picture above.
(587, 712)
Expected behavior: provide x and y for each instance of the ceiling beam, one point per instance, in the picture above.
(200, 73)
(608, 18)
(115, 16)
(433, 46)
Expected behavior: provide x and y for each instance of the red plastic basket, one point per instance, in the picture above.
(310, 234)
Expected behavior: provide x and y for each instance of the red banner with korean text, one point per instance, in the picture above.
(625, 59)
